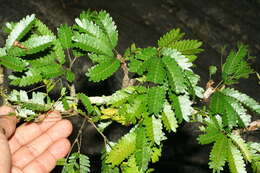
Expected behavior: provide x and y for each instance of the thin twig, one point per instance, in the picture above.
(77, 137)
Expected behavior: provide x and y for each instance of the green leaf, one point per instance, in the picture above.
(156, 72)
(170, 37)
(156, 96)
(109, 27)
(235, 160)
(70, 76)
(187, 47)
(175, 75)
(212, 70)
(36, 103)
(193, 80)
(156, 154)
(242, 98)
(13, 63)
(19, 30)
(124, 148)
(212, 131)
(92, 44)
(97, 58)
(219, 154)
(142, 154)
(154, 129)
(84, 164)
(65, 34)
(30, 77)
(104, 70)
(58, 50)
(86, 102)
(43, 61)
(42, 28)
(181, 60)
(242, 146)
(121, 96)
(168, 118)
(50, 71)
(130, 166)
(37, 44)
(182, 106)
(236, 66)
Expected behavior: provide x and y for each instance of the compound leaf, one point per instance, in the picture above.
(219, 153)
(19, 30)
(170, 37)
(168, 118)
(104, 70)
(124, 148)
(156, 96)
(37, 44)
(235, 159)
(242, 98)
(175, 75)
(182, 106)
(65, 34)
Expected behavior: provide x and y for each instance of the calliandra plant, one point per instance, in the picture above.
(159, 92)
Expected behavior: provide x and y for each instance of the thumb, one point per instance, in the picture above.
(7, 122)
(7, 128)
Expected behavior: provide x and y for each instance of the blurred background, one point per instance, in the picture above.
(216, 23)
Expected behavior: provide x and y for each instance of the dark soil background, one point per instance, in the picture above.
(216, 23)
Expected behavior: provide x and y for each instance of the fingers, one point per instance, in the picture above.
(45, 162)
(7, 122)
(29, 131)
(32, 150)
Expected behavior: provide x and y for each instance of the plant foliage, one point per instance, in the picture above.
(159, 92)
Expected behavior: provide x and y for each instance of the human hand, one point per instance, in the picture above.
(32, 147)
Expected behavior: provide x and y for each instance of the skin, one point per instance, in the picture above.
(32, 147)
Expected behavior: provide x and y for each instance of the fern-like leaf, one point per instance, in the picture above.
(104, 70)
(50, 71)
(236, 66)
(109, 27)
(156, 154)
(219, 153)
(181, 60)
(92, 44)
(130, 166)
(242, 146)
(37, 44)
(58, 50)
(168, 118)
(170, 37)
(156, 96)
(42, 28)
(13, 63)
(175, 75)
(42, 61)
(235, 159)
(19, 30)
(30, 77)
(242, 98)
(86, 102)
(124, 148)
(188, 48)
(65, 34)
(212, 131)
(154, 129)
(156, 72)
(142, 154)
(182, 106)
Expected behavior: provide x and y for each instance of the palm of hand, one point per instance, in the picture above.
(34, 147)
